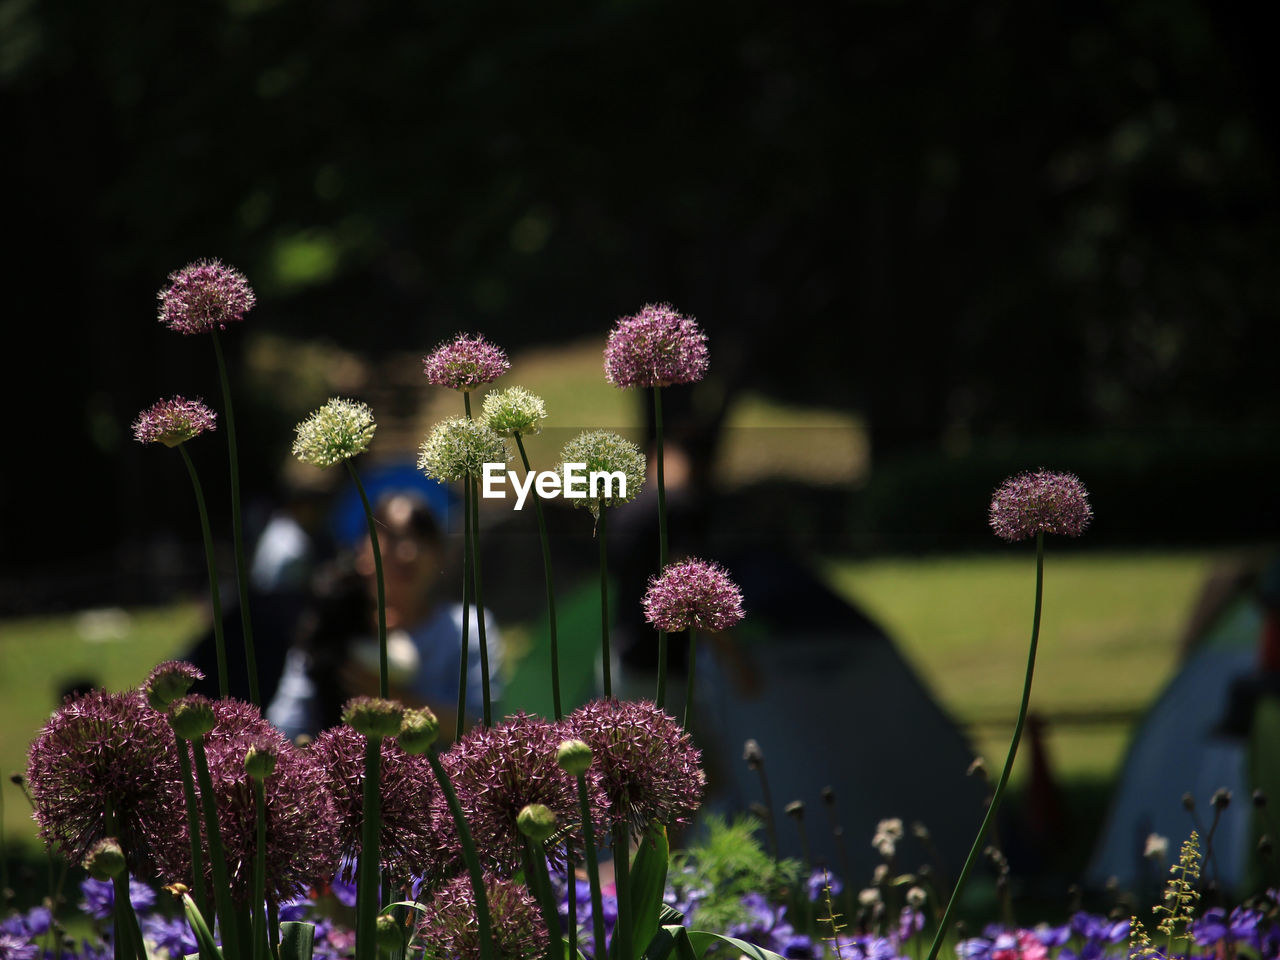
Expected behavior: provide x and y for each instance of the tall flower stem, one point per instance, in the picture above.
(201, 893)
(215, 597)
(539, 884)
(483, 924)
(987, 821)
(128, 935)
(593, 867)
(258, 904)
(237, 530)
(571, 898)
(368, 869)
(377, 571)
(475, 558)
(660, 697)
(551, 593)
(604, 601)
(466, 609)
(622, 931)
(227, 918)
(693, 660)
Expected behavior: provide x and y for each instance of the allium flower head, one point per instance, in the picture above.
(1030, 503)
(465, 363)
(457, 448)
(606, 452)
(648, 766)
(106, 751)
(514, 410)
(693, 593)
(407, 786)
(173, 421)
(497, 771)
(655, 348)
(450, 928)
(204, 296)
(338, 431)
(302, 833)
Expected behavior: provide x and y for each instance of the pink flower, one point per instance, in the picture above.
(693, 593)
(204, 296)
(655, 348)
(465, 363)
(173, 421)
(1032, 503)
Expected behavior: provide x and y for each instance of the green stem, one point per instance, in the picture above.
(227, 918)
(551, 593)
(539, 884)
(201, 893)
(258, 904)
(622, 931)
(368, 869)
(571, 894)
(4, 855)
(593, 869)
(661, 697)
(128, 934)
(1008, 763)
(382, 593)
(484, 926)
(604, 601)
(214, 595)
(237, 531)
(693, 660)
(475, 558)
(466, 609)
(273, 929)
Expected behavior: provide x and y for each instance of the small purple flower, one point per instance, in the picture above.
(205, 296)
(100, 897)
(173, 421)
(465, 363)
(17, 948)
(655, 348)
(1217, 927)
(818, 882)
(649, 767)
(107, 751)
(450, 927)
(1031, 503)
(170, 936)
(693, 593)
(407, 787)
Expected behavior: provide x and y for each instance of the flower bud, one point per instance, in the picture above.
(1188, 802)
(373, 716)
(795, 809)
(574, 757)
(753, 755)
(388, 933)
(191, 717)
(1259, 798)
(916, 897)
(169, 681)
(1221, 798)
(105, 859)
(537, 822)
(260, 760)
(419, 730)
(828, 796)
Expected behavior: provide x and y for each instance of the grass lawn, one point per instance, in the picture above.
(1108, 641)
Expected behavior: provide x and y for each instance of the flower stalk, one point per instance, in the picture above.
(551, 593)
(215, 596)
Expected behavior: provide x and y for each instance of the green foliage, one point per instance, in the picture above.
(1180, 895)
(727, 864)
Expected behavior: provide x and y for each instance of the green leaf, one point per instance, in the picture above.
(208, 946)
(684, 947)
(576, 955)
(648, 883)
(700, 940)
(663, 942)
(296, 940)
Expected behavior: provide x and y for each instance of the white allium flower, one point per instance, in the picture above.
(338, 431)
(869, 896)
(514, 410)
(605, 452)
(1157, 847)
(458, 448)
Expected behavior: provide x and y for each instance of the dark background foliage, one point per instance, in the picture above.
(990, 227)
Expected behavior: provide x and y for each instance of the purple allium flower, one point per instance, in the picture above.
(17, 948)
(648, 765)
(173, 421)
(1043, 501)
(204, 296)
(693, 593)
(450, 928)
(169, 936)
(655, 348)
(100, 897)
(497, 771)
(465, 363)
(407, 786)
(302, 832)
(100, 752)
